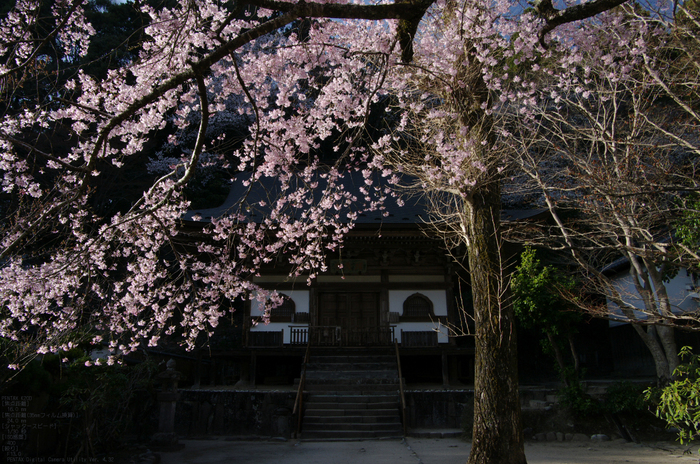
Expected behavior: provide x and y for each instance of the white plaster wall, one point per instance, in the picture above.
(439, 299)
(396, 299)
(301, 301)
(680, 297)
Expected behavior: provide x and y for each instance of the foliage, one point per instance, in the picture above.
(208, 192)
(96, 404)
(575, 398)
(624, 397)
(537, 292)
(108, 401)
(34, 378)
(539, 302)
(688, 225)
(119, 33)
(678, 403)
(620, 397)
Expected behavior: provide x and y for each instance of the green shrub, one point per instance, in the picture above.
(678, 403)
(106, 401)
(574, 398)
(95, 405)
(624, 397)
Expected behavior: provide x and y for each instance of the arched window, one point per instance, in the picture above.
(417, 307)
(283, 312)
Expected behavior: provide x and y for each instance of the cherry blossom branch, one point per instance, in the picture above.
(202, 65)
(396, 10)
(191, 165)
(30, 227)
(85, 107)
(47, 39)
(33, 149)
(294, 11)
(554, 18)
(256, 142)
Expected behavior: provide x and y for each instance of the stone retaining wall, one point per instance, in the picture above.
(269, 413)
(259, 413)
(437, 408)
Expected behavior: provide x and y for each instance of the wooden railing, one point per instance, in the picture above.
(339, 336)
(325, 336)
(368, 336)
(299, 401)
(299, 335)
(401, 394)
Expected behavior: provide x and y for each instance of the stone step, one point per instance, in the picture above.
(348, 398)
(351, 378)
(359, 426)
(347, 406)
(350, 434)
(332, 368)
(351, 395)
(329, 420)
(353, 366)
(339, 388)
(351, 375)
(384, 404)
(392, 411)
(360, 359)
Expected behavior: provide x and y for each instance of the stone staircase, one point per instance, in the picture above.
(351, 394)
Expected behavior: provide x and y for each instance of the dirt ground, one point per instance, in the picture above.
(419, 451)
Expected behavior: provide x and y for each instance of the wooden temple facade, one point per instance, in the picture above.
(393, 289)
(391, 285)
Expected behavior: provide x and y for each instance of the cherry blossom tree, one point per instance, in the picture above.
(613, 153)
(307, 75)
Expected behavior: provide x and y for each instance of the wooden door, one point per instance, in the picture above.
(349, 309)
(353, 312)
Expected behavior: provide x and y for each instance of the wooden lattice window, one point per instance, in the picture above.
(417, 307)
(283, 312)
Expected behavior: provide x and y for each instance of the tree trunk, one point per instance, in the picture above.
(660, 339)
(574, 355)
(498, 435)
(667, 337)
(560, 359)
(661, 362)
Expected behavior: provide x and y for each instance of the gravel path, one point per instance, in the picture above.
(417, 451)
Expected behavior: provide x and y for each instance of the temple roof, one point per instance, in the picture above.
(255, 199)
